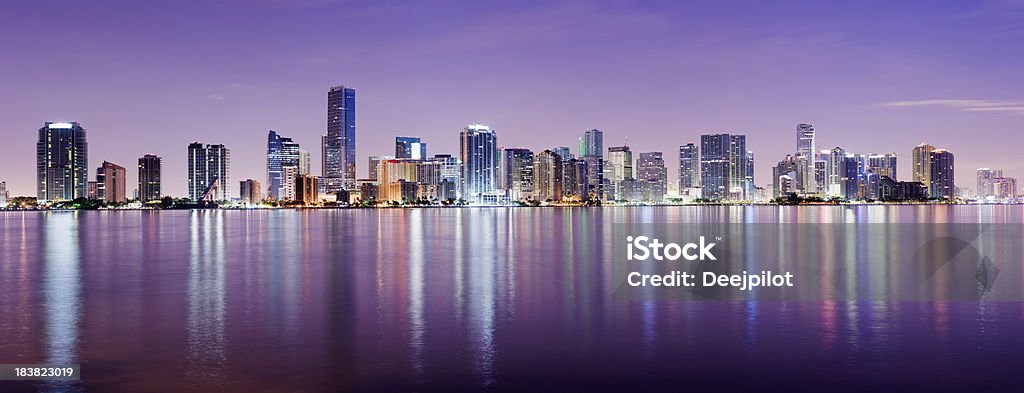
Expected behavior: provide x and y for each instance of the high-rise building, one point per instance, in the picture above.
(808, 148)
(592, 144)
(410, 147)
(788, 175)
(836, 172)
(1004, 187)
(883, 164)
(724, 167)
(821, 171)
(282, 153)
(306, 189)
(574, 180)
(339, 144)
(515, 172)
(111, 183)
(250, 192)
(304, 163)
(4, 195)
(374, 165)
(62, 159)
(449, 177)
(287, 190)
(595, 177)
(564, 152)
(941, 175)
(618, 167)
(985, 184)
(478, 146)
(209, 172)
(921, 163)
(652, 173)
(547, 171)
(149, 178)
(689, 167)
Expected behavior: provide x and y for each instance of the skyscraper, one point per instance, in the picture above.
(563, 152)
(110, 183)
(574, 180)
(62, 159)
(618, 168)
(4, 196)
(478, 146)
(689, 167)
(985, 185)
(883, 164)
(942, 182)
(547, 170)
(807, 147)
(592, 143)
(410, 147)
(339, 145)
(149, 178)
(516, 172)
(282, 153)
(652, 172)
(921, 163)
(835, 172)
(209, 172)
(724, 163)
(374, 165)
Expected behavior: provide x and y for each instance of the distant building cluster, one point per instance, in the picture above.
(717, 168)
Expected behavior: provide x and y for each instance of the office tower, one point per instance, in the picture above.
(724, 163)
(4, 195)
(374, 164)
(515, 172)
(287, 190)
(595, 177)
(250, 192)
(395, 176)
(592, 144)
(410, 147)
(652, 173)
(748, 175)
(821, 171)
(449, 177)
(788, 176)
(304, 163)
(836, 172)
(478, 146)
(574, 180)
(209, 172)
(689, 167)
(149, 178)
(547, 171)
(339, 145)
(62, 159)
(852, 176)
(110, 183)
(1004, 187)
(563, 152)
(808, 148)
(921, 163)
(941, 175)
(282, 153)
(306, 190)
(985, 185)
(883, 164)
(618, 167)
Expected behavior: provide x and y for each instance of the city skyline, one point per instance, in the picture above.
(875, 83)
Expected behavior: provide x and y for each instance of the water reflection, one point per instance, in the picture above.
(207, 341)
(62, 286)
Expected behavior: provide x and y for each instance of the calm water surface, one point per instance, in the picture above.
(488, 299)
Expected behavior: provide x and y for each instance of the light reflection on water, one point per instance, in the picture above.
(464, 299)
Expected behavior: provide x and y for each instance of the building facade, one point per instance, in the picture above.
(209, 172)
(111, 180)
(410, 147)
(150, 167)
(478, 146)
(339, 144)
(724, 167)
(282, 152)
(62, 159)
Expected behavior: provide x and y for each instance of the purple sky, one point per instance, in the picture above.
(150, 77)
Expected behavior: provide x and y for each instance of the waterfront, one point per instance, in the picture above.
(454, 299)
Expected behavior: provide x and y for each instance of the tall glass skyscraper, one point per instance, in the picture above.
(62, 162)
(149, 178)
(339, 144)
(921, 163)
(808, 148)
(689, 167)
(478, 146)
(618, 168)
(651, 170)
(209, 172)
(942, 182)
(724, 166)
(516, 172)
(282, 153)
(410, 147)
(592, 143)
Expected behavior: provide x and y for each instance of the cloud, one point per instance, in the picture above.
(966, 105)
(217, 97)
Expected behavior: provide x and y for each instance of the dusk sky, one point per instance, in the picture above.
(872, 76)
